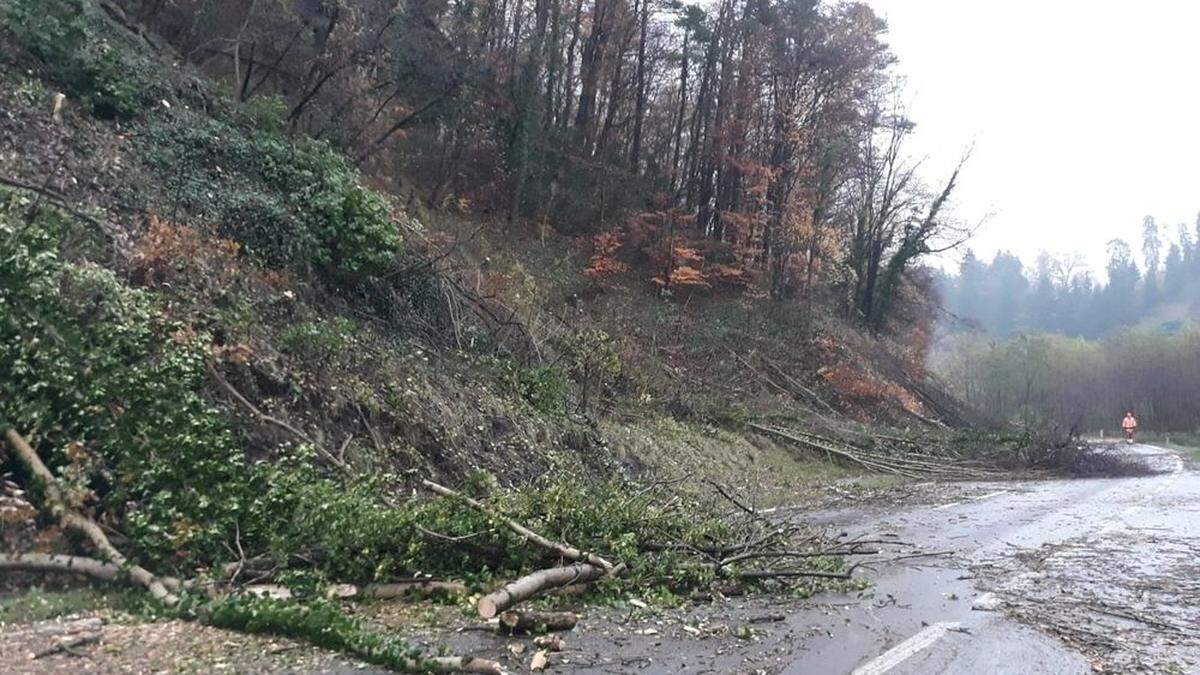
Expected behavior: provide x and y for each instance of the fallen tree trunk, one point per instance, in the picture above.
(116, 566)
(532, 584)
(65, 564)
(90, 567)
(57, 628)
(563, 550)
(865, 463)
(760, 575)
(72, 520)
(537, 622)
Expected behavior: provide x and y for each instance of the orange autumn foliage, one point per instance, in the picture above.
(684, 277)
(166, 250)
(854, 384)
(603, 263)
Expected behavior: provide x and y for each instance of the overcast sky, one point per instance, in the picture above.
(1085, 116)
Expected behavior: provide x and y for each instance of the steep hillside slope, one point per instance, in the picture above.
(327, 306)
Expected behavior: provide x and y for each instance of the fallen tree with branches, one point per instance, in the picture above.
(114, 567)
(905, 464)
(758, 550)
(56, 506)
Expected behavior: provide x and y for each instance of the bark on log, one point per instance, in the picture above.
(57, 506)
(564, 550)
(257, 565)
(91, 567)
(67, 564)
(537, 622)
(530, 585)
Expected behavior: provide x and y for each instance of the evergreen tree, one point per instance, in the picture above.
(1044, 304)
(1152, 254)
(1174, 272)
(1006, 293)
(1120, 303)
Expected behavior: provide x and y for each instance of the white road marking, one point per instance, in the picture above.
(896, 655)
(989, 495)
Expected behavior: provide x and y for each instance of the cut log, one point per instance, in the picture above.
(57, 506)
(268, 591)
(537, 622)
(530, 585)
(421, 589)
(563, 550)
(341, 592)
(551, 643)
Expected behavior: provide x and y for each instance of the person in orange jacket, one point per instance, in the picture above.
(1129, 425)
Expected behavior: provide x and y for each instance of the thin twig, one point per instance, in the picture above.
(262, 416)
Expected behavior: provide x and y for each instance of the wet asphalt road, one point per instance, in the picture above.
(1063, 576)
(1047, 577)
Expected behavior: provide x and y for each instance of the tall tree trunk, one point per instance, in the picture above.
(639, 113)
(698, 124)
(552, 67)
(528, 101)
(568, 85)
(676, 176)
(591, 62)
(616, 90)
(518, 17)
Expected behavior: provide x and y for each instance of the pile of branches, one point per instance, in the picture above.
(1071, 457)
(909, 462)
(762, 550)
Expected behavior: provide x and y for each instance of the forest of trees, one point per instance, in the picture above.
(1055, 345)
(1060, 294)
(735, 142)
(1074, 383)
